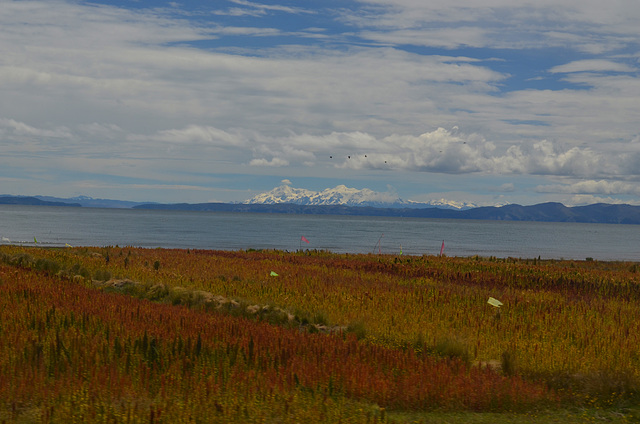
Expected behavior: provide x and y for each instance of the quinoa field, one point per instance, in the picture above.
(132, 335)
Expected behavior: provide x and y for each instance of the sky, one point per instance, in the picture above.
(484, 101)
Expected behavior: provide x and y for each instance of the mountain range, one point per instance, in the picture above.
(342, 200)
(346, 196)
(544, 212)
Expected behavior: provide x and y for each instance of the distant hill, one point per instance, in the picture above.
(90, 202)
(84, 201)
(34, 201)
(545, 212)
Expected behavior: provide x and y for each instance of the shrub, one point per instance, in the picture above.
(509, 364)
(102, 275)
(277, 316)
(358, 329)
(47, 265)
(452, 348)
(320, 318)
(419, 343)
(80, 270)
(21, 260)
(157, 292)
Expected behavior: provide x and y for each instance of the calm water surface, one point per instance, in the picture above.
(58, 226)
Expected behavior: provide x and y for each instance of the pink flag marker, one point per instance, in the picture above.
(303, 238)
(442, 248)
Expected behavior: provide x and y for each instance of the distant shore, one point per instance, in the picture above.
(600, 213)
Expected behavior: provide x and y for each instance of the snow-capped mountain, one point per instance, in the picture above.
(449, 204)
(339, 195)
(343, 195)
(284, 194)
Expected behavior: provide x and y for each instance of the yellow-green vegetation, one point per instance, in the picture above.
(401, 339)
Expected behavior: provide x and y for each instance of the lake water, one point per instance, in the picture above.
(59, 226)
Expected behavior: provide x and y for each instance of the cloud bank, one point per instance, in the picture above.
(539, 97)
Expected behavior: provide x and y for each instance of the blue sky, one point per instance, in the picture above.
(490, 101)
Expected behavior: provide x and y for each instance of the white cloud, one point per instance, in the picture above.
(602, 187)
(448, 38)
(119, 66)
(260, 32)
(238, 11)
(587, 199)
(22, 129)
(593, 65)
(507, 187)
(275, 8)
(546, 158)
(590, 25)
(445, 151)
(199, 134)
(439, 151)
(274, 162)
(248, 8)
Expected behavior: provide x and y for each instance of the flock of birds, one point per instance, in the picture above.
(349, 157)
